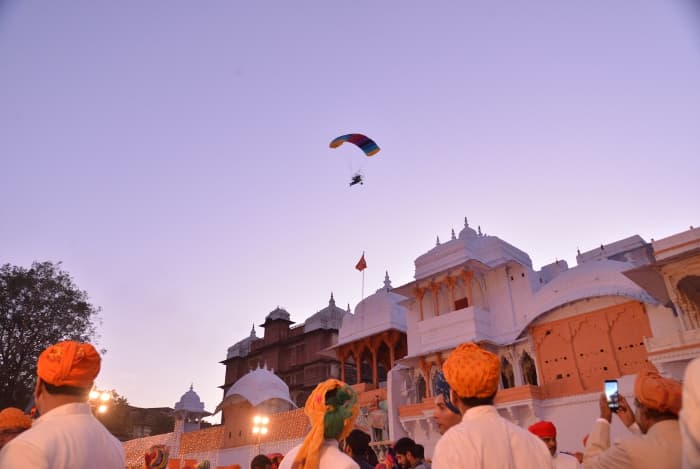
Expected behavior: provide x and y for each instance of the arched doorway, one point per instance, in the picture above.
(527, 365)
(507, 375)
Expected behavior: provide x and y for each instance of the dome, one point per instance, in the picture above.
(467, 231)
(277, 313)
(490, 251)
(258, 386)
(378, 312)
(242, 348)
(330, 317)
(190, 402)
(591, 279)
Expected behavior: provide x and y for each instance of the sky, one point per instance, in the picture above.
(174, 155)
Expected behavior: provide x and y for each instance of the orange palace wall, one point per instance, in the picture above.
(575, 355)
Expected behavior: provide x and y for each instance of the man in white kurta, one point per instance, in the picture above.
(690, 416)
(67, 435)
(657, 402)
(483, 439)
(332, 409)
(331, 457)
(547, 432)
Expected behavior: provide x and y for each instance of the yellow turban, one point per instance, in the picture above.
(472, 371)
(658, 393)
(330, 418)
(13, 418)
(69, 363)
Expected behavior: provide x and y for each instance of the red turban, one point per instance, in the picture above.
(655, 392)
(69, 363)
(543, 429)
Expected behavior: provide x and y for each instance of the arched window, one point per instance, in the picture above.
(527, 365)
(507, 376)
(383, 359)
(689, 287)
(420, 389)
(350, 370)
(366, 366)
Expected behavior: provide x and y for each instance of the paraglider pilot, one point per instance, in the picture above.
(356, 179)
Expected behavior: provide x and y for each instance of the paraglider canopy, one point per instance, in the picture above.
(365, 143)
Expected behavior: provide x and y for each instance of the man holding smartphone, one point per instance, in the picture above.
(657, 402)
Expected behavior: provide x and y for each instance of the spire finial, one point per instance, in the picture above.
(578, 252)
(387, 282)
(453, 234)
(331, 302)
(479, 226)
(252, 330)
(191, 386)
(466, 223)
(348, 310)
(437, 241)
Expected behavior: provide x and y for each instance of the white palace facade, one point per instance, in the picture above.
(559, 331)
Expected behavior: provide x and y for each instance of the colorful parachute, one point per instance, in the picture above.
(366, 144)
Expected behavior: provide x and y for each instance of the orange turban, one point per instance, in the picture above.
(472, 371)
(69, 363)
(655, 392)
(13, 418)
(334, 419)
(543, 429)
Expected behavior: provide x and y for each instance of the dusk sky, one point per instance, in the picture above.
(174, 155)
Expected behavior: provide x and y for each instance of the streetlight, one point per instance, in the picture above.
(99, 400)
(260, 423)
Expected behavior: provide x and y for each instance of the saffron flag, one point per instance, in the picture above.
(361, 264)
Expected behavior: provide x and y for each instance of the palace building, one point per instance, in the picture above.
(559, 331)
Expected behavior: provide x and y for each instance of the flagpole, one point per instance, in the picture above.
(363, 284)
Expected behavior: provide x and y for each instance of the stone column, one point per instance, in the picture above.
(434, 289)
(420, 293)
(451, 282)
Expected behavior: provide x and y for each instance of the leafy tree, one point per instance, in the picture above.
(39, 306)
(117, 418)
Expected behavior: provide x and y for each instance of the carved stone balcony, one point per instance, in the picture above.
(449, 330)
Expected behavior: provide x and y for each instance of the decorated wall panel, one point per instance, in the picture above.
(575, 355)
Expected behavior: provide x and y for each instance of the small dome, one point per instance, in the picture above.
(330, 317)
(258, 386)
(467, 231)
(277, 313)
(190, 402)
(242, 348)
(378, 312)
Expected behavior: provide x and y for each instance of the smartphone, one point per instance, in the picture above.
(612, 394)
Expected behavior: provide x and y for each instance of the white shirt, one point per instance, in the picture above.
(564, 461)
(484, 439)
(331, 457)
(689, 419)
(66, 437)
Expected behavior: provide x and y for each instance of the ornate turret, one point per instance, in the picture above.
(189, 411)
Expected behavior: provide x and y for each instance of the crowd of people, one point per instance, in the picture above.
(664, 428)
